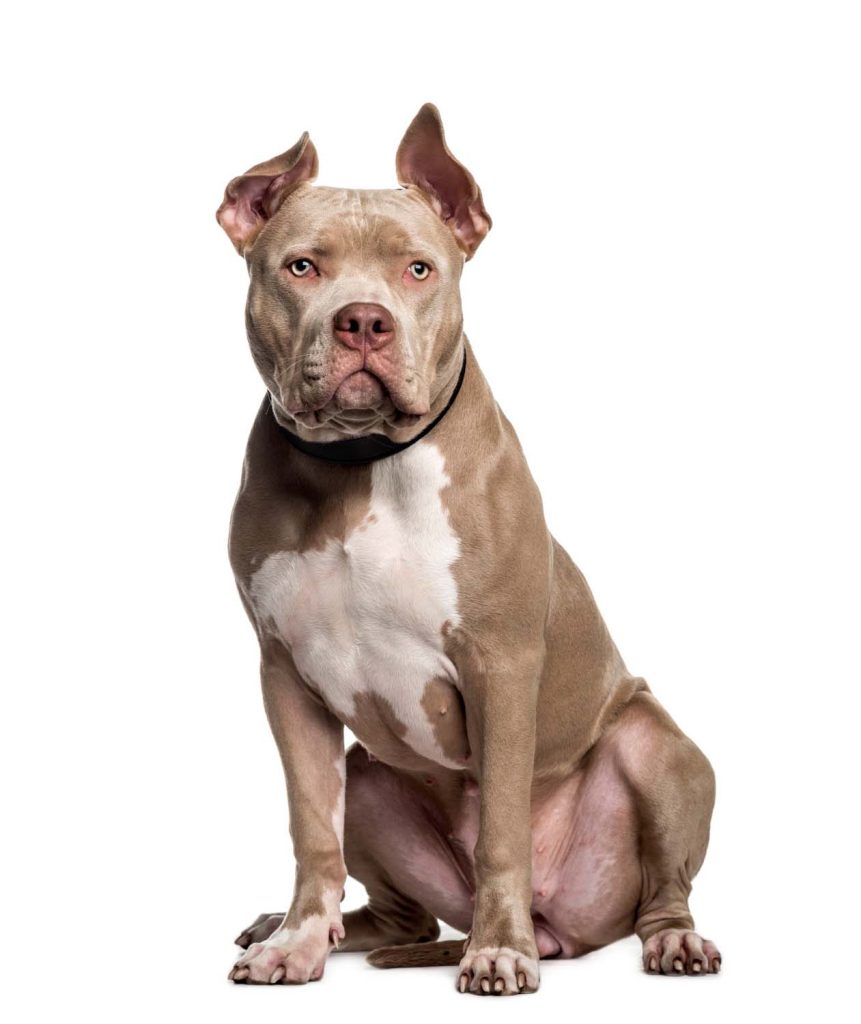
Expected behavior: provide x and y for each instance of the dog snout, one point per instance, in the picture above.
(364, 325)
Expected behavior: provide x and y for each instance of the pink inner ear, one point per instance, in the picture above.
(253, 198)
(439, 178)
(425, 161)
(457, 199)
(432, 170)
(242, 210)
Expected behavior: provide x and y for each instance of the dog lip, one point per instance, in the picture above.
(408, 407)
(361, 389)
(299, 407)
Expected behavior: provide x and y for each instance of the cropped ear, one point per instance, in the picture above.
(424, 161)
(254, 197)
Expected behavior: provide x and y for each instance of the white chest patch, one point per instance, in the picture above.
(366, 615)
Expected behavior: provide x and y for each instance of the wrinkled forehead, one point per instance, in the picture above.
(360, 224)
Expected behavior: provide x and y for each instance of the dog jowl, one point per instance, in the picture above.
(511, 777)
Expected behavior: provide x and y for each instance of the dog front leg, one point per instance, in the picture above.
(501, 956)
(311, 744)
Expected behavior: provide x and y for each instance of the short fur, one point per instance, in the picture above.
(512, 777)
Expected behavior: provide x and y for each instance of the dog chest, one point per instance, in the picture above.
(363, 614)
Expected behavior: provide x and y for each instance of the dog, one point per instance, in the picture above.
(511, 777)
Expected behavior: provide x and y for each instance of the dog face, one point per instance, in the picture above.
(354, 314)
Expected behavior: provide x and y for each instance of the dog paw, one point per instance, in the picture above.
(292, 956)
(497, 971)
(259, 930)
(676, 951)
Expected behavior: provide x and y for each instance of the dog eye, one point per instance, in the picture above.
(301, 267)
(419, 270)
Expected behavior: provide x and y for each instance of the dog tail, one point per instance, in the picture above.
(418, 954)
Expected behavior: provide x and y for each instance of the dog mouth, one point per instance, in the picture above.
(359, 390)
(360, 403)
(353, 392)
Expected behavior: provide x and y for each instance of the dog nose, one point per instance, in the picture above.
(364, 324)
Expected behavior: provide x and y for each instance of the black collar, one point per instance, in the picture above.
(372, 446)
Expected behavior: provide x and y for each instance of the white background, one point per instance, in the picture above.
(668, 311)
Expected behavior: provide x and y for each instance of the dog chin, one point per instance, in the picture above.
(356, 422)
(331, 419)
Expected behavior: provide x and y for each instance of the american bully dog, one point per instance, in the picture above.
(511, 778)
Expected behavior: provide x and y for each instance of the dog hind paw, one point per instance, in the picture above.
(678, 951)
(259, 930)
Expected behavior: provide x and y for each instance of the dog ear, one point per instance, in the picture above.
(424, 161)
(254, 197)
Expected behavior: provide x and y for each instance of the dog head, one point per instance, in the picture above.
(354, 314)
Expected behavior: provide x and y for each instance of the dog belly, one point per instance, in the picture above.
(586, 873)
(586, 869)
